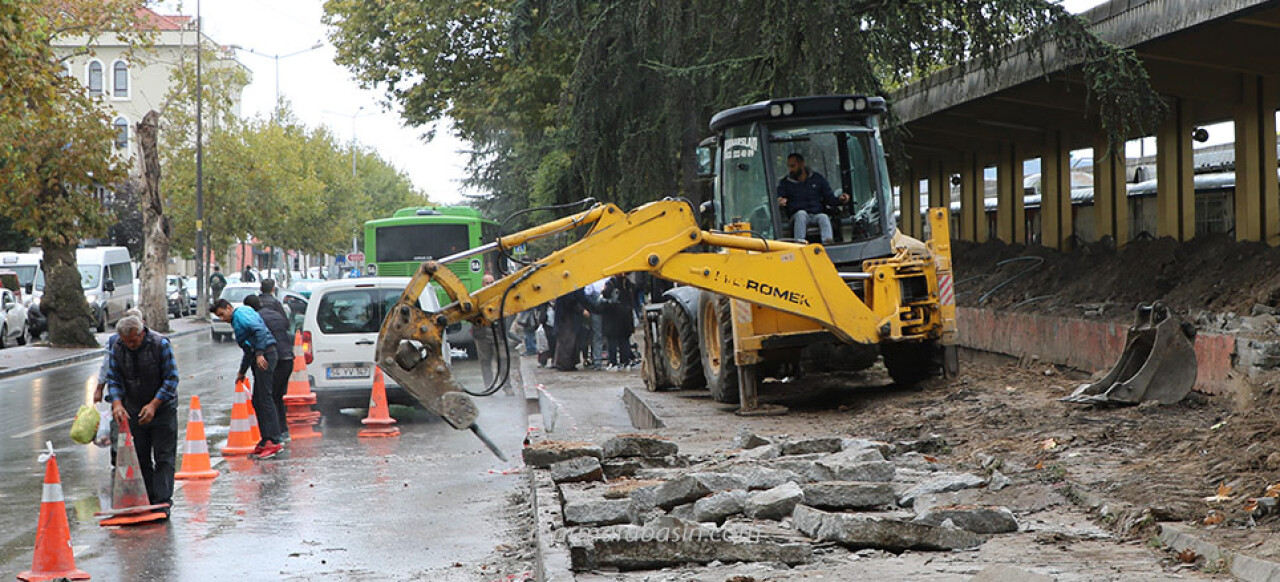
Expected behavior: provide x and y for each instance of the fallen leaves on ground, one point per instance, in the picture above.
(1223, 494)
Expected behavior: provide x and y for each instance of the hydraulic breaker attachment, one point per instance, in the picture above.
(1158, 363)
(409, 350)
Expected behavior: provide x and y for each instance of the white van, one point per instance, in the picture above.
(25, 265)
(106, 274)
(339, 334)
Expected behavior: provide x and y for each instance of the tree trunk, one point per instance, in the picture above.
(153, 298)
(63, 302)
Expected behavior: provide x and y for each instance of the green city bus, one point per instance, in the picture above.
(395, 246)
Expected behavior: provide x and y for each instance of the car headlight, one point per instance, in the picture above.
(91, 298)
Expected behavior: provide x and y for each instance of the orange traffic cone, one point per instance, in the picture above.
(239, 440)
(254, 432)
(129, 502)
(195, 457)
(299, 398)
(379, 422)
(53, 558)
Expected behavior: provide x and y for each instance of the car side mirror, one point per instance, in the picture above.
(28, 288)
(109, 285)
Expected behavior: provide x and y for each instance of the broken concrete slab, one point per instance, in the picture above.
(749, 440)
(576, 470)
(717, 507)
(775, 503)
(617, 468)
(814, 445)
(1002, 573)
(998, 481)
(720, 481)
(852, 444)
(981, 520)
(940, 483)
(856, 531)
(808, 470)
(1021, 499)
(758, 477)
(930, 445)
(919, 462)
(680, 491)
(652, 546)
(762, 453)
(866, 455)
(599, 512)
(848, 495)
(684, 512)
(543, 454)
(643, 504)
(872, 471)
(639, 446)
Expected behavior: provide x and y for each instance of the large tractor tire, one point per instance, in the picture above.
(911, 363)
(679, 353)
(715, 334)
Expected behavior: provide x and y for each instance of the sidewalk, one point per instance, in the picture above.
(20, 360)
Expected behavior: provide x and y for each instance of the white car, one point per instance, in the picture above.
(14, 326)
(339, 334)
(234, 294)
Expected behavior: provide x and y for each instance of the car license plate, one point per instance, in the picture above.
(336, 372)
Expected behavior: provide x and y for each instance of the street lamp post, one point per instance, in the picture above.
(276, 57)
(353, 116)
(202, 298)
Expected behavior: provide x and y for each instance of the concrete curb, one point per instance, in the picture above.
(552, 563)
(75, 359)
(1180, 537)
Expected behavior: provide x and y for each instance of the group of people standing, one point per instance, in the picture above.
(590, 326)
(262, 331)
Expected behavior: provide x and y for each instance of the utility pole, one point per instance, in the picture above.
(202, 297)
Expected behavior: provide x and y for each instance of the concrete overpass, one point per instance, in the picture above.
(1213, 60)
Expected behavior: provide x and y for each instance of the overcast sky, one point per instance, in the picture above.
(323, 93)
(320, 91)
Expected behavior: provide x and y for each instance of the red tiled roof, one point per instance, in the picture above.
(152, 20)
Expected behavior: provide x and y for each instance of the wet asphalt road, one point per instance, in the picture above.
(334, 508)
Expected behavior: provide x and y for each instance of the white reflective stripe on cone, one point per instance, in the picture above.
(240, 425)
(197, 447)
(196, 416)
(52, 493)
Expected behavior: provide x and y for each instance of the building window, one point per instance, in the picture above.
(95, 77)
(122, 133)
(120, 80)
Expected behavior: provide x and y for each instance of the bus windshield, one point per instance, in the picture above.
(419, 242)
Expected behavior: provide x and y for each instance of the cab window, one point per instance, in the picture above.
(843, 154)
(745, 195)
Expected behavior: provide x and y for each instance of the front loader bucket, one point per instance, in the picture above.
(1158, 363)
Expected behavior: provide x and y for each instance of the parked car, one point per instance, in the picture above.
(340, 331)
(193, 292)
(303, 286)
(296, 305)
(13, 326)
(220, 330)
(175, 289)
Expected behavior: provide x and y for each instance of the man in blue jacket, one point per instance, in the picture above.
(806, 194)
(259, 348)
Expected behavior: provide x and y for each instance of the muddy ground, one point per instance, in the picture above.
(1213, 274)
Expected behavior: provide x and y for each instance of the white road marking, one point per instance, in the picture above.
(43, 427)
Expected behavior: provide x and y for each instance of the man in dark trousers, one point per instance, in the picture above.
(805, 194)
(217, 282)
(259, 348)
(142, 382)
(570, 314)
(278, 325)
(267, 292)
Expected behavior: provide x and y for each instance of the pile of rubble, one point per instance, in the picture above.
(637, 503)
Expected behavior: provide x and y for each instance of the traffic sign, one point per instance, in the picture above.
(355, 257)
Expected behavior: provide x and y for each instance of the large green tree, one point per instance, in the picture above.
(55, 143)
(607, 98)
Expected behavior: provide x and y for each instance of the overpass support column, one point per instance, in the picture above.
(909, 204)
(1176, 190)
(939, 185)
(1011, 214)
(1110, 193)
(1056, 225)
(973, 211)
(1257, 197)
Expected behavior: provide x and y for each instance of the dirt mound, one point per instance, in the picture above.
(1214, 274)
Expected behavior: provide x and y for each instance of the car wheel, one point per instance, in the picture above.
(22, 337)
(4, 336)
(102, 322)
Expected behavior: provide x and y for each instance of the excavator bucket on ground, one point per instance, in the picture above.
(1158, 363)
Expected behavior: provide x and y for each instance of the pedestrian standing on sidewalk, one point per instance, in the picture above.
(278, 325)
(246, 276)
(217, 282)
(618, 313)
(142, 380)
(259, 348)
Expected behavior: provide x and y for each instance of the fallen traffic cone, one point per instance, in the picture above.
(379, 421)
(195, 457)
(239, 440)
(53, 558)
(129, 502)
(299, 397)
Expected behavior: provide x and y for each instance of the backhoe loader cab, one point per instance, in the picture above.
(839, 138)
